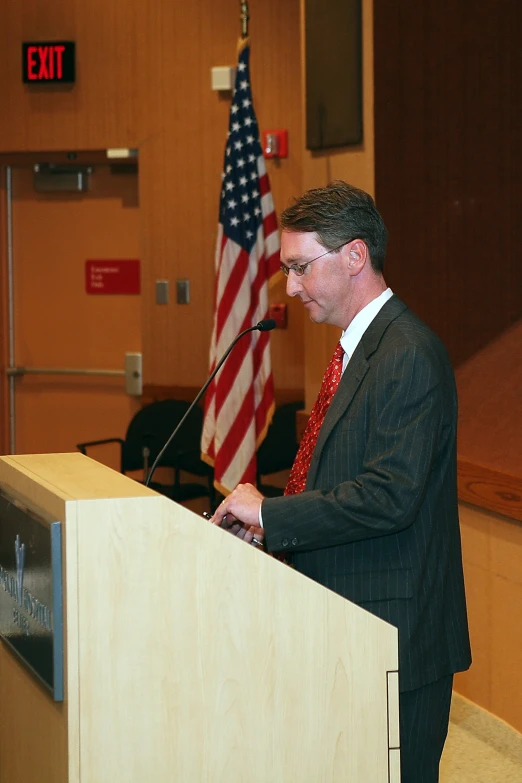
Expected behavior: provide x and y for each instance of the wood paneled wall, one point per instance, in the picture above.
(447, 158)
(143, 80)
(448, 162)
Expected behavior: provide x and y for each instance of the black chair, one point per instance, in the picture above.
(146, 435)
(277, 451)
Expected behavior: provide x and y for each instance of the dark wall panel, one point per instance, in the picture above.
(448, 166)
(333, 54)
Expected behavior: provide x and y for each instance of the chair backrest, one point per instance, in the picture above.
(152, 426)
(278, 450)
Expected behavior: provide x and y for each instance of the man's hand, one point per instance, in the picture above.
(239, 513)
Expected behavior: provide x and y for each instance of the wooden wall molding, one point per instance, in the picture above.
(153, 392)
(490, 489)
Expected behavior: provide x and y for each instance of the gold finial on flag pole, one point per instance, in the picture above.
(244, 18)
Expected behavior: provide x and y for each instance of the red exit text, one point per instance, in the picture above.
(45, 62)
(48, 62)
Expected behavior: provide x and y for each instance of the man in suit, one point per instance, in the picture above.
(370, 509)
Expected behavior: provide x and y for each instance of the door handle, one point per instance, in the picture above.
(132, 372)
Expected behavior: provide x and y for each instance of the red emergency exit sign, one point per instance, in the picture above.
(115, 276)
(49, 61)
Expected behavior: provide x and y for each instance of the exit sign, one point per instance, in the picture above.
(49, 61)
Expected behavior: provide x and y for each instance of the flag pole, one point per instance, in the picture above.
(244, 19)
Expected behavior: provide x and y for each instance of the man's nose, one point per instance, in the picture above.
(293, 286)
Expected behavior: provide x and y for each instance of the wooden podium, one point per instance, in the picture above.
(190, 656)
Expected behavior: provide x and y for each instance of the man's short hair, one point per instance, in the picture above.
(338, 214)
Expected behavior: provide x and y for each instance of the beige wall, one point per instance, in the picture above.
(492, 551)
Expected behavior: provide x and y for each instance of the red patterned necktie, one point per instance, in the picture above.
(297, 479)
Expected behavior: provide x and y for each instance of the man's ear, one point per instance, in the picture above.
(357, 255)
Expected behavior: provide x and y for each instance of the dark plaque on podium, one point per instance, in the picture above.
(31, 616)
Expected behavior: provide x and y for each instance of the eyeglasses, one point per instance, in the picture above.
(299, 269)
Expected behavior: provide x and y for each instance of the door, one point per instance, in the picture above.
(57, 324)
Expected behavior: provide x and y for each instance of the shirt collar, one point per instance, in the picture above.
(351, 336)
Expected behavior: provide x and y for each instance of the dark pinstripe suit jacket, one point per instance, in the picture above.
(378, 522)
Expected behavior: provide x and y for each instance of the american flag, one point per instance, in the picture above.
(240, 401)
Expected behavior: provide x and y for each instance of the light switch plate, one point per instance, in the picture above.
(162, 291)
(183, 291)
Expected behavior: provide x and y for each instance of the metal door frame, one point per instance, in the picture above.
(10, 309)
(133, 360)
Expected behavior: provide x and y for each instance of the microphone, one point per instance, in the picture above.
(263, 326)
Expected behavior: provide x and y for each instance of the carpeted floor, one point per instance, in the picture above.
(480, 747)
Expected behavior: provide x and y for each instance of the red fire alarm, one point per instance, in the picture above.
(275, 143)
(279, 313)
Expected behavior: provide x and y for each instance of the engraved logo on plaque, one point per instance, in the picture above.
(20, 561)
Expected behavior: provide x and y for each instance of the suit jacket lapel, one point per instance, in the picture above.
(352, 377)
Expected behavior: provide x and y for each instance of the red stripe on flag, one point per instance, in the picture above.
(264, 184)
(269, 224)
